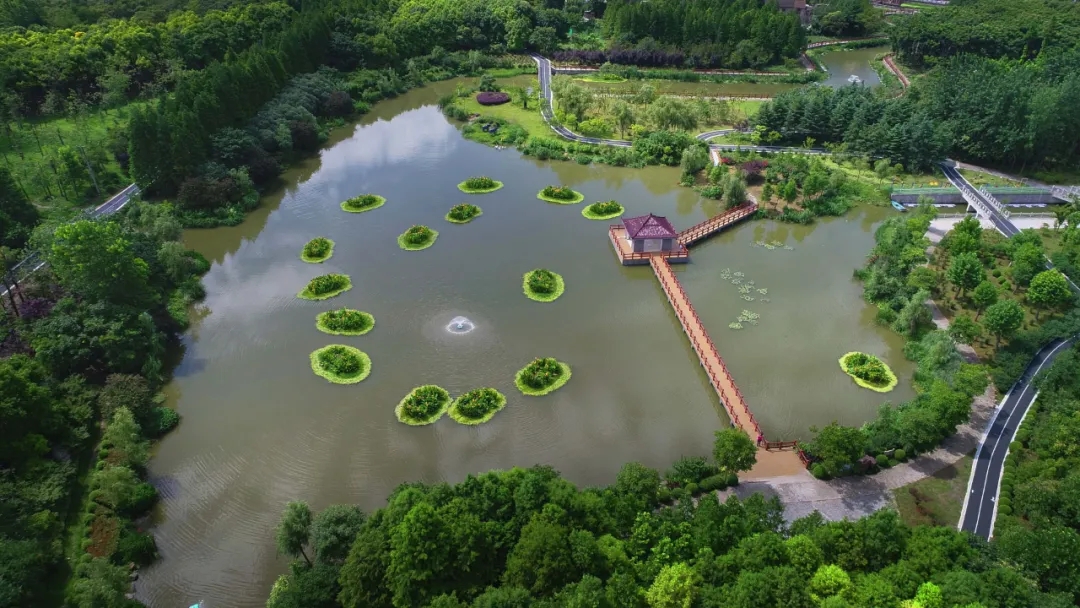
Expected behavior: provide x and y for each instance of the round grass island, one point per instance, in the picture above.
(542, 376)
(560, 195)
(477, 406)
(362, 203)
(417, 238)
(423, 405)
(463, 213)
(326, 286)
(603, 210)
(479, 185)
(868, 371)
(345, 322)
(317, 250)
(341, 364)
(542, 285)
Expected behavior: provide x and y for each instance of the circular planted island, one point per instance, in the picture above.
(423, 405)
(560, 195)
(317, 250)
(542, 376)
(326, 286)
(479, 185)
(362, 203)
(603, 210)
(341, 364)
(542, 285)
(463, 213)
(868, 372)
(417, 238)
(345, 322)
(477, 406)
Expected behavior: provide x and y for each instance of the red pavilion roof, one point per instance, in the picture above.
(649, 227)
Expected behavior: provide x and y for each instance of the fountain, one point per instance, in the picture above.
(460, 325)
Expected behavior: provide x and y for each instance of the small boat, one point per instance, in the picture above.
(853, 79)
(898, 206)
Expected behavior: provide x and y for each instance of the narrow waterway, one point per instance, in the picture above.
(842, 65)
(259, 429)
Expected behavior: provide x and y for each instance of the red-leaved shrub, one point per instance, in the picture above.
(492, 98)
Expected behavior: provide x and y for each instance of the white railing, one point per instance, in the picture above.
(974, 200)
(1065, 193)
(993, 201)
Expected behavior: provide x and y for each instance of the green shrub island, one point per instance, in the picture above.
(868, 371)
(362, 203)
(477, 406)
(561, 195)
(542, 285)
(326, 286)
(423, 405)
(542, 376)
(479, 185)
(341, 364)
(603, 210)
(463, 213)
(317, 250)
(417, 238)
(345, 322)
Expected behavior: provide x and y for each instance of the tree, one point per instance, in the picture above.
(542, 560)
(1003, 319)
(675, 587)
(26, 409)
(734, 451)
(124, 435)
(734, 192)
(922, 277)
(837, 447)
(623, 115)
(487, 83)
(1028, 260)
(669, 113)
(965, 271)
(964, 330)
(333, 531)
(829, 580)
(984, 295)
(1048, 290)
(694, 159)
(128, 391)
(99, 584)
(95, 261)
(17, 214)
(573, 99)
(294, 530)
(790, 191)
(767, 192)
(928, 596)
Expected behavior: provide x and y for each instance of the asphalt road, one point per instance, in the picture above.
(1002, 223)
(980, 504)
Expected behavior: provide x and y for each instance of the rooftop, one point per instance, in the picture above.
(649, 227)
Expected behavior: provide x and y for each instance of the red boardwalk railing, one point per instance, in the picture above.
(715, 224)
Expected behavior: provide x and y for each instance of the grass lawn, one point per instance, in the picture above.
(762, 88)
(978, 178)
(935, 500)
(904, 180)
(530, 119)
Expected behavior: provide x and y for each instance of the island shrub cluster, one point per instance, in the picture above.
(492, 98)
(868, 371)
(423, 405)
(603, 210)
(326, 286)
(463, 213)
(477, 406)
(345, 322)
(417, 238)
(479, 185)
(317, 250)
(560, 194)
(364, 202)
(542, 285)
(542, 376)
(341, 364)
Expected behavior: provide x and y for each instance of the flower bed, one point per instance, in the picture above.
(491, 98)
(317, 250)
(542, 376)
(542, 285)
(868, 371)
(477, 406)
(326, 286)
(604, 210)
(479, 185)
(341, 364)
(417, 238)
(423, 405)
(345, 322)
(560, 195)
(362, 203)
(463, 213)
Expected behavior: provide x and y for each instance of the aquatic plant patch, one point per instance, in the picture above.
(479, 185)
(362, 203)
(326, 286)
(345, 322)
(603, 210)
(477, 406)
(868, 371)
(417, 238)
(542, 285)
(542, 376)
(423, 405)
(492, 98)
(341, 364)
(560, 195)
(463, 213)
(317, 250)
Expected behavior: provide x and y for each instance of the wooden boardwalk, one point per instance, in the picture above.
(711, 226)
